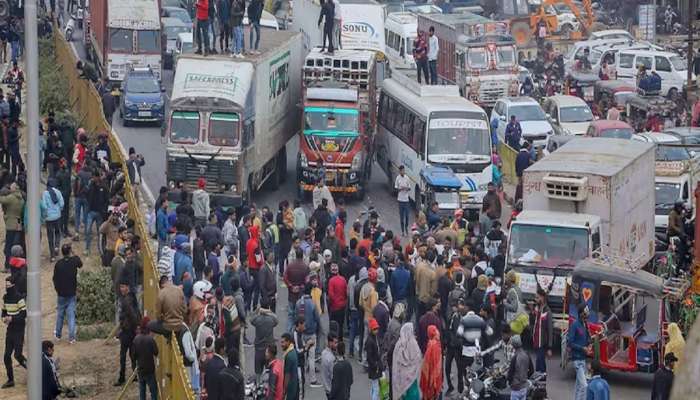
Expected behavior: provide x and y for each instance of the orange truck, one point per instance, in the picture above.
(339, 116)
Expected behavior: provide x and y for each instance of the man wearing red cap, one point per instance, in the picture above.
(374, 361)
(200, 203)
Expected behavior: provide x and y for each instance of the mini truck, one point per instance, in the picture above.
(339, 121)
(593, 197)
(124, 34)
(229, 120)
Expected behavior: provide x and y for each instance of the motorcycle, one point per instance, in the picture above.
(70, 28)
(254, 391)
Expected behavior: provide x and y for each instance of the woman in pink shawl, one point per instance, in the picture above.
(406, 365)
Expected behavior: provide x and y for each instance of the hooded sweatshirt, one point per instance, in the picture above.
(200, 201)
(252, 249)
(12, 207)
(52, 203)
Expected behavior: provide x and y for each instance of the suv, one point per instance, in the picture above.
(142, 97)
(533, 121)
(569, 115)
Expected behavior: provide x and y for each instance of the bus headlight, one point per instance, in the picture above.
(356, 162)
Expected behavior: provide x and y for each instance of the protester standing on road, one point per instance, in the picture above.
(264, 322)
(374, 360)
(431, 372)
(542, 332)
(65, 282)
(97, 199)
(128, 322)
(134, 165)
(202, 26)
(52, 204)
(513, 133)
(327, 362)
(145, 352)
(200, 203)
(50, 389)
(579, 340)
(109, 105)
(433, 49)
(255, 9)
(402, 185)
(14, 315)
(519, 370)
(663, 379)
(291, 368)
(420, 55)
(342, 375)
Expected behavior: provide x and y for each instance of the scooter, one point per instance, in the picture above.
(70, 28)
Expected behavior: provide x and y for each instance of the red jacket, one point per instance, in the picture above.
(337, 293)
(276, 380)
(202, 10)
(340, 232)
(251, 248)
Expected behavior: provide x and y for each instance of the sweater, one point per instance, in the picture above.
(13, 207)
(65, 276)
(52, 208)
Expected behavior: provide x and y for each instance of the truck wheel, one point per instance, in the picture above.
(282, 165)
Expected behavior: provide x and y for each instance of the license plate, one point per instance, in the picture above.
(144, 113)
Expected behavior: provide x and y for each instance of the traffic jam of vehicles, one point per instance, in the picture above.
(582, 116)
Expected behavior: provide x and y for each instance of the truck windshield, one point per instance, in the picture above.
(670, 153)
(458, 133)
(506, 56)
(666, 194)
(149, 41)
(184, 127)
(223, 129)
(121, 40)
(331, 122)
(477, 58)
(547, 246)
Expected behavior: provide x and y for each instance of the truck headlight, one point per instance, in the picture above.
(356, 162)
(303, 160)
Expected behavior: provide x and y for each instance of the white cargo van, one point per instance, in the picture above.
(670, 66)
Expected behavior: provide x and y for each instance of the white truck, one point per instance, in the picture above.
(229, 119)
(593, 197)
(362, 24)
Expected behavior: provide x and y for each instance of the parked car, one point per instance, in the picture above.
(171, 28)
(569, 115)
(528, 112)
(183, 45)
(687, 135)
(672, 69)
(176, 12)
(142, 98)
(610, 129)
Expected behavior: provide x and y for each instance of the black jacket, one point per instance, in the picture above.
(231, 384)
(49, 381)
(661, 386)
(211, 376)
(374, 369)
(323, 219)
(65, 276)
(342, 381)
(98, 198)
(267, 282)
(255, 9)
(14, 306)
(134, 166)
(327, 11)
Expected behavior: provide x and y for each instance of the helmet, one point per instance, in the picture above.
(200, 288)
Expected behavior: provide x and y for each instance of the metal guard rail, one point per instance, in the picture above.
(173, 379)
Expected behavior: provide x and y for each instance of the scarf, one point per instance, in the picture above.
(406, 363)
(431, 373)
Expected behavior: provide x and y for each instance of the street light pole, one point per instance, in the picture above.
(33, 225)
(691, 27)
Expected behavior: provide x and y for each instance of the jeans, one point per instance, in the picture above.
(374, 389)
(224, 36)
(432, 66)
(581, 383)
(65, 213)
(93, 217)
(311, 354)
(11, 238)
(291, 316)
(81, 210)
(53, 233)
(15, 50)
(518, 394)
(541, 360)
(354, 322)
(150, 381)
(238, 39)
(339, 318)
(65, 305)
(337, 32)
(254, 27)
(422, 66)
(404, 208)
(202, 35)
(255, 288)
(328, 35)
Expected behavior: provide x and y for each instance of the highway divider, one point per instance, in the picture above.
(173, 379)
(508, 155)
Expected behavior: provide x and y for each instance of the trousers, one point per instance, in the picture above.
(14, 342)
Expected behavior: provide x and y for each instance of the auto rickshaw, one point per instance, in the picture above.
(613, 93)
(441, 185)
(646, 113)
(628, 313)
(581, 83)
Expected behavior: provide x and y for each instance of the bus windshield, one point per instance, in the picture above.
(458, 134)
(223, 129)
(331, 121)
(184, 127)
(547, 246)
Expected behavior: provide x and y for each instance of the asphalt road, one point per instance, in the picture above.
(147, 141)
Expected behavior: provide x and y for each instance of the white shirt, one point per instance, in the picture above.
(433, 48)
(338, 13)
(403, 185)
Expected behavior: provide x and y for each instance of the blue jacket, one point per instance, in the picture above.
(494, 132)
(162, 225)
(512, 135)
(312, 320)
(597, 389)
(400, 280)
(52, 210)
(578, 339)
(183, 262)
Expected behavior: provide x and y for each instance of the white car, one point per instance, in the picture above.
(527, 111)
(569, 115)
(611, 34)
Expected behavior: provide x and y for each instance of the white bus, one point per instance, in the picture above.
(433, 125)
(400, 30)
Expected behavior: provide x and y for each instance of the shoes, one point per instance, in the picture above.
(23, 364)
(213, 51)
(52, 259)
(247, 343)
(8, 384)
(315, 384)
(198, 52)
(72, 341)
(56, 337)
